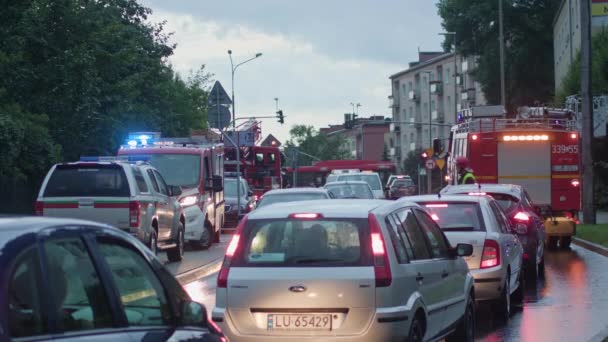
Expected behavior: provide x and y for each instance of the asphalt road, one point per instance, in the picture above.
(570, 304)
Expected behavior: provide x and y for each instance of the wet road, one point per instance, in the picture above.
(570, 304)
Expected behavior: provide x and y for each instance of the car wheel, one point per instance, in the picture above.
(541, 266)
(177, 253)
(416, 333)
(504, 303)
(466, 328)
(565, 242)
(531, 268)
(518, 295)
(217, 233)
(552, 242)
(153, 242)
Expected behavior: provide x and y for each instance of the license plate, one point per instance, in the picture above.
(299, 322)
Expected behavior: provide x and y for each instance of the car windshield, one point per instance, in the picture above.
(297, 243)
(183, 170)
(402, 183)
(290, 197)
(88, 181)
(331, 178)
(230, 189)
(372, 179)
(350, 191)
(506, 202)
(461, 216)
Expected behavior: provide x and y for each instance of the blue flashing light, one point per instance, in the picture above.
(132, 143)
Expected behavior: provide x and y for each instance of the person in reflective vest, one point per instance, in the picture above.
(465, 174)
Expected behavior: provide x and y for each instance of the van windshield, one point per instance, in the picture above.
(305, 243)
(182, 170)
(96, 180)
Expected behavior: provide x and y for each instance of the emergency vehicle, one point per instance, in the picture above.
(259, 165)
(196, 165)
(317, 173)
(539, 150)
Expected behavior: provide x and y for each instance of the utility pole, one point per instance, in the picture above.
(587, 108)
(501, 38)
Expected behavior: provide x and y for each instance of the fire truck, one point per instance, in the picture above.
(259, 165)
(538, 149)
(317, 173)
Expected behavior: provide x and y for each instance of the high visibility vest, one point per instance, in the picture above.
(466, 177)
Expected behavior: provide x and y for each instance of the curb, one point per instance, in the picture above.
(594, 247)
(200, 272)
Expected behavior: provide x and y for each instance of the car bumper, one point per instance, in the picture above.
(488, 283)
(389, 324)
(195, 222)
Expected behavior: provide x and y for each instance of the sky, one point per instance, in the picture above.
(319, 56)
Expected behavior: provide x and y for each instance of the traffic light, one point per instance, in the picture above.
(437, 147)
(280, 117)
(423, 157)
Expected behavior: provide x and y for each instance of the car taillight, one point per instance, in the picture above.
(382, 268)
(222, 277)
(134, 207)
(39, 208)
(521, 216)
(491, 254)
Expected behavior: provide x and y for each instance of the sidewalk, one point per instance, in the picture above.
(197, 263)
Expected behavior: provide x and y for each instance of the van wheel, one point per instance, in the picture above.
(466, 328)
(153, 242)
(552, 242)
(177, 253)
(565, 241)
(504, 303)
(416, 334)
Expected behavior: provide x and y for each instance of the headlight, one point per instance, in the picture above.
(188, 200)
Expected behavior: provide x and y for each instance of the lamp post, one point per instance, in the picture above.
(276, 102)
(237, 145)
(455, 75)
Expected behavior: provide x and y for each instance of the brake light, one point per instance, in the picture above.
(255, 197)
(134, 207)
(575, 182)
(573, 135)
(491, 254)
(436, 205)
(474, 137)
(222, 277)
(305, 216)
(477, 193)
(39, 208)
(435, 217)
(382, 268)
(521, 216)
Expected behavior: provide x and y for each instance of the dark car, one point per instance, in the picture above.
(526, 223)
(401, 187)
(74, 280)
(248, 201)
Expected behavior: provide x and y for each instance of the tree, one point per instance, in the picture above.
(528, 45)
(314, 143)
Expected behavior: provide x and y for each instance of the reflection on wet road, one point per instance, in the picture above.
(570, 304)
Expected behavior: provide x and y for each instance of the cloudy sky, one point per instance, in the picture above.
(318, 55)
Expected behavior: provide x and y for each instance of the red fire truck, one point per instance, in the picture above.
(539, 149)
(318, 172)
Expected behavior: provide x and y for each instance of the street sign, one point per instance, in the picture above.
(219, 116)
(429, 164)
(440, 163)
(218, 95)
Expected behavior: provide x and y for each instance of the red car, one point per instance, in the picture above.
(402, 187)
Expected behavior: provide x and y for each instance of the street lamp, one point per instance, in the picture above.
(237, 145)
(455, 74)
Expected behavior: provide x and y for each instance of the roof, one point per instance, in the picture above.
(328, 208)
(422, 65)
(295, 191)
(445, 198)
(511, 189)
(352, 182)
(269, 140)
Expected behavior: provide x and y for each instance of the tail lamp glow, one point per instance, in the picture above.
(382, 268)
(537, 137)
(222, 277)
(575, 182)
(491, 254)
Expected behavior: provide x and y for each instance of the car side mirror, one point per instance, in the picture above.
(194, 314)
(175, 190)
(217, 183)
(463, 250)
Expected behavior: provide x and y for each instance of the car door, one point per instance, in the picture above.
(452, 276)
(164, 207)
(79, 301)
(428, 270)
(513, 246)
(537, 223)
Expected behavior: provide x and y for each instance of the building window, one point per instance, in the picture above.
(448, 76)
(410, 86)
(403, 90)
(434, 130)
(432, 105)
(425, 109)
(411, 112)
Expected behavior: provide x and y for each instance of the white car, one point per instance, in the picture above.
(497, 260)
(364, 270)
(292, 195)
(372, 178)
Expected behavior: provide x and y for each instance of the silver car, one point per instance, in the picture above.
(350, 189)
(292, 195)
(496, 263)
(344, 270)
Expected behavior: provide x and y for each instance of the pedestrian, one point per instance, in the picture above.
(465, 174)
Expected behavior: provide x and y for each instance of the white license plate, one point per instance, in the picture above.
(299, 322)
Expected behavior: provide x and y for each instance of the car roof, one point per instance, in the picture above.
(295, 190)
(336, 208)
(510, 189)
(447, 198)
(353, 182)
(358, 174)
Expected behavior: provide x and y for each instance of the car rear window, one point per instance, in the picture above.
(291, 197)
(372, 179)
(402, 183)
(96, 180)
(461, 216)
(506, 202)
(350, 191)
(304, 243)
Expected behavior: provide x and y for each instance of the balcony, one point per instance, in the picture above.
(393, 102)
(436, 88)
(468, 95)
(395, 128)
(437, 115)
(414, 95)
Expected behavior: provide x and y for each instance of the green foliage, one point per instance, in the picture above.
(411, 164)
(528, 45)
(310, 141)
(596, 233)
